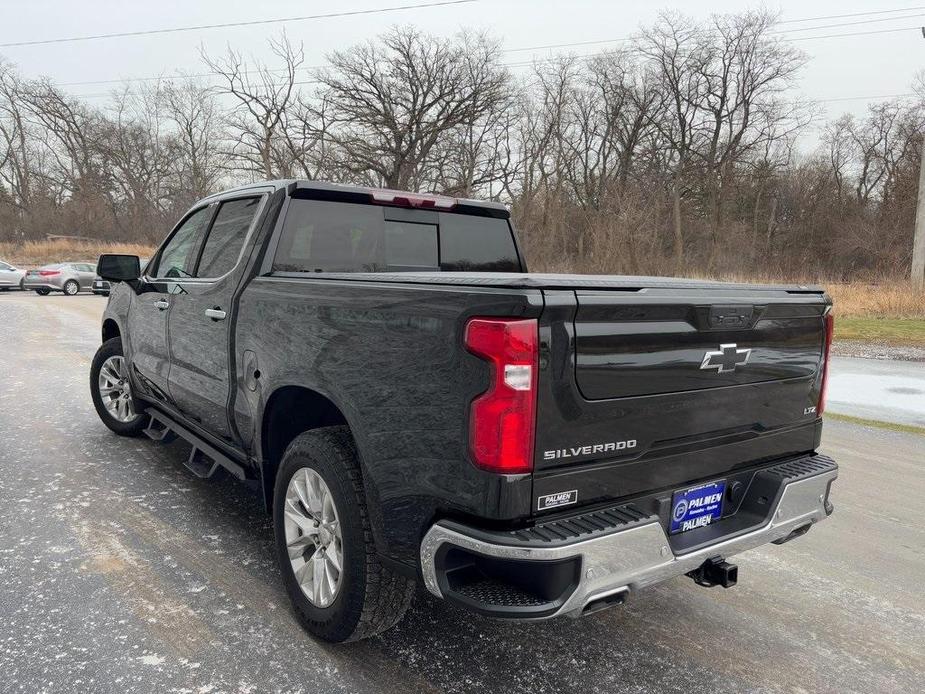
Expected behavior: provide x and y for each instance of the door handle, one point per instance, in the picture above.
(215, 314)
(161, 304)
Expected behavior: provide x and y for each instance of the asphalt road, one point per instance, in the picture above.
(120, 571)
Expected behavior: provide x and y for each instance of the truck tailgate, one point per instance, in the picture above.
(657, 387)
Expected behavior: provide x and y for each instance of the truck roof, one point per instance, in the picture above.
(444, 202)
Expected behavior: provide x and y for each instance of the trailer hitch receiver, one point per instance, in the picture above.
(715, 572)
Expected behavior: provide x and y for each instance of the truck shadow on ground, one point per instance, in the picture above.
(650, 643)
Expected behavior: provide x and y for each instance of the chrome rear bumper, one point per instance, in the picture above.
(628, 559)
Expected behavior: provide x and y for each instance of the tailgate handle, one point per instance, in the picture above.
(725, 317)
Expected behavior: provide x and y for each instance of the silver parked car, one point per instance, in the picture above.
(10, 277)
(69, 278)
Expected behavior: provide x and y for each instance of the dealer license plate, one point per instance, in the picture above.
(697, 507)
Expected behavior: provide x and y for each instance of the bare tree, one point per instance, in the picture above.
(139, 155)
(257, 129)
(672, 155)
(677, 53)
(16, 160)
(391, 102)
(193, 111)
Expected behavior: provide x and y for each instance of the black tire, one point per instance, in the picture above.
(22, 284)
(370, 598)
(111, 348)
(71, 288)
(43, 291)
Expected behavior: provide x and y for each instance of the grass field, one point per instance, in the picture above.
(35, 253)
(902, 332)
(889, 313)
(888, 300)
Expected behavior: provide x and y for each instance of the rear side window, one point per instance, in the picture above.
(226, 239)
(322, 236)
(329, 237)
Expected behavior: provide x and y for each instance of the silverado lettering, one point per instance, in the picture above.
(588, 450)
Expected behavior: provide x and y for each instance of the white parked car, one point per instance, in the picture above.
(10, 277)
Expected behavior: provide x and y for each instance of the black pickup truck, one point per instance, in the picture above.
(413, 405)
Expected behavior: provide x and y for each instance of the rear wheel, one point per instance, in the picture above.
(111, 391)
(71, 287)
(338, 587)
(43, 291)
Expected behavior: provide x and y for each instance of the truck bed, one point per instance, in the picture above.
(536, 280)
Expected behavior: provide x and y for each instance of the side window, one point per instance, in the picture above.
(226, 239)
(176, 254)
(4, 266)
(321, 236)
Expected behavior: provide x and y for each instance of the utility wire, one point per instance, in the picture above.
(853, 14)
(856, 33)
(227, 25)
(574, 43)
(848, 24)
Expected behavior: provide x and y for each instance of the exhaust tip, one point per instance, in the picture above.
(605, 601)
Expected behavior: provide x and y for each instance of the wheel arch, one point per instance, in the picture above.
(290, 411)
(110, 329)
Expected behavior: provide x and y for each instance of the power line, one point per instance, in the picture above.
(579, 43)
(848, 24)
(853, 14)
(227, 25)
(865, 98)
(156, 78)
(856, 33)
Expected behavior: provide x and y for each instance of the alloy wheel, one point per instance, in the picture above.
(313, 537)
(115, 390)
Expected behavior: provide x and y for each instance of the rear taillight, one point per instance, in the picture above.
(49, 273)
(502, 420)
(829, 320)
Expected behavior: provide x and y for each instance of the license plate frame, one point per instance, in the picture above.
(696, 507)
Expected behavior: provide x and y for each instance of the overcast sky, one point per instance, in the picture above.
(854, 66)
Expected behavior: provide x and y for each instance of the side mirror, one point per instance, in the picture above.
(115, 267)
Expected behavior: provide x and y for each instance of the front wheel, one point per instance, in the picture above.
(111, 391)
(338, 587)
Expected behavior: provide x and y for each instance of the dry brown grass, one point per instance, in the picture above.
(885, 300)
(33, 253)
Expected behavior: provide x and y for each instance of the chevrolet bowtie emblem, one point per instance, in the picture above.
(726, 359)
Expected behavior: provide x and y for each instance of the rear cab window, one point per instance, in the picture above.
(327, 236)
